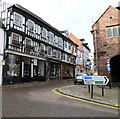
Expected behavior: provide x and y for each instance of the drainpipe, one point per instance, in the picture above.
(96, 49)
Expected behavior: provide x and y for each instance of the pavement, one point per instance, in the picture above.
(110, 97)
(81, 91)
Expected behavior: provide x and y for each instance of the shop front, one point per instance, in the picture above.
(68, 71)
(53, 70)
(19, 69)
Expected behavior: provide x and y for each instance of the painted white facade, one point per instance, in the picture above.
(1, 53)
(79, 62)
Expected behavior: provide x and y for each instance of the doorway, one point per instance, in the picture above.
(27, 72)
(115, 68)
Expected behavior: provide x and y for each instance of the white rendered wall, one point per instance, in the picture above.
(1, 53)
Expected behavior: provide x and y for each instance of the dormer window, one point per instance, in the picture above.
(18, 19)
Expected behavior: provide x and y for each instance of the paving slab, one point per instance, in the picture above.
(110, 95)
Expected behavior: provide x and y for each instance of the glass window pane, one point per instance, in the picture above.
(109, 33)
(18, 20)
(15, 39)
(119, 30)
(115, 32)
(30, 25)
(13, 65)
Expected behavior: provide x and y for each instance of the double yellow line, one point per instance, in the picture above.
(96, 103)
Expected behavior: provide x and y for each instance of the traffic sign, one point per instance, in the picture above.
(96, 80)
(108, 68)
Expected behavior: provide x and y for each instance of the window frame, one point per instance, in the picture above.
(115, 35)
(19, 37)
(108, 33)
(31, 44)
(44, 32)
(28, 26)
(20, 25)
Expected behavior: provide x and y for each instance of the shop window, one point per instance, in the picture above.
(30, 25)
(109, 33)
(18, 19)
(41, 68)
(115, 32)
(16, 39)
(13, 65)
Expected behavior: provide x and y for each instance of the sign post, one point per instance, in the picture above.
(95, 80)
(92, 91)
(108, 68)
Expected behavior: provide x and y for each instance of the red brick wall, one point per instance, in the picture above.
(106, 47)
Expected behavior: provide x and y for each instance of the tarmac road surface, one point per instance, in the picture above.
(40, 101)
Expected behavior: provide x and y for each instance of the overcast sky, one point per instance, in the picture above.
(76, 16)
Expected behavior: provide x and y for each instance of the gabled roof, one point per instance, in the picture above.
(76, 41)
(103, 14)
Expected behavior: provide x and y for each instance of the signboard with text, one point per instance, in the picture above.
(96, 80)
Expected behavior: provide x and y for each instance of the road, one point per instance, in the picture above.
(40, 101)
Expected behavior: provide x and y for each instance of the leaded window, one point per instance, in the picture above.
(54, 53)
(44, 33)
(18, 19)
(49, 51)
(30, 25)
(16, 39)
(115, 32)
(28, 43)
(109, 33)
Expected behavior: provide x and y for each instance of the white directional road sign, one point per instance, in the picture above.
(96, 80)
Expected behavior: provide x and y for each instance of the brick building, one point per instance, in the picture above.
(106, 34)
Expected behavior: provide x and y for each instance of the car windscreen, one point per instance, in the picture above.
(79, 74)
